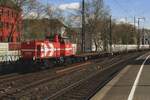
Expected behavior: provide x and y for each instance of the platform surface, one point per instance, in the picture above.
(132, 83)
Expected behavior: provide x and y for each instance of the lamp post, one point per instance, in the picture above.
(110, 34)
(139, 35)
(83, 26)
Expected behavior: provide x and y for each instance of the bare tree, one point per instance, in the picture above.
(96, 13)
(123, 33)
(27, 6)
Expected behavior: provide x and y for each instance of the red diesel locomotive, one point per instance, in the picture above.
(44, 51)
(39, 49)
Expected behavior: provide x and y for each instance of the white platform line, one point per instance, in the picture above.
(141, 57)
(131, 95)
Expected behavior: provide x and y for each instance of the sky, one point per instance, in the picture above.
(120, 9)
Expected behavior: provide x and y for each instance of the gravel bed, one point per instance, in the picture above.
(53, 86)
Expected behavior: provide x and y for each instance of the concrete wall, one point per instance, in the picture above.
(6, 55)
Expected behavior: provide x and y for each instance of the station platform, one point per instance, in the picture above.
(132, 83)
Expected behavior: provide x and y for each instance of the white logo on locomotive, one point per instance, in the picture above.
(47, 50)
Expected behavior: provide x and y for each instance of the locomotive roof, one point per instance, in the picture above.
(9, 4)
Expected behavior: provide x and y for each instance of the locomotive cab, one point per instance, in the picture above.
(66, 47)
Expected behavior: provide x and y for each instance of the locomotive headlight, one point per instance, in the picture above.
(34, 58)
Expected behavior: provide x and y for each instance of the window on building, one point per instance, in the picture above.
(4, 12)
(10, 26)
(18, 28)
(1, 24)
(0, 11)
(17, 14)
(8, 13)
(4, 25)
(7, 25)
(12, 14)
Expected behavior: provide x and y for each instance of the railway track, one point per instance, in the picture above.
(33, 84)
(16, 83)
(86, 88)
(44, 86)
(2, 77)
(17, 88)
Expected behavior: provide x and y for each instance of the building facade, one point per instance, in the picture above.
(39, 28)
(10, 24)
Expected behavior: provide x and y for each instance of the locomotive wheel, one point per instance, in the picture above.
(62, 60)
(24, 66)
(74, 60)
(77, 59)
(48, 63)
(68, 60)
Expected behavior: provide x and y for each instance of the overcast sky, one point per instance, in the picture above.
(120, 9)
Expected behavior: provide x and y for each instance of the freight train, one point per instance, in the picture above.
(58, 49)
(46, 52)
